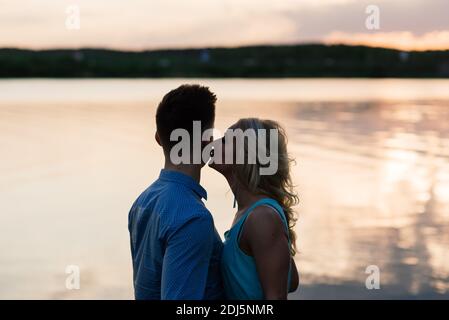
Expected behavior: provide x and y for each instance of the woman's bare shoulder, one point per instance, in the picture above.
(264, 219)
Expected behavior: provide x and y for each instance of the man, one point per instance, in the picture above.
(174, 245)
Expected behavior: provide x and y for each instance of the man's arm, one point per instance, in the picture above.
(186, 260)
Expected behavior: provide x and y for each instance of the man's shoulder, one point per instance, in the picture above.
(186, 206)
(181, 197)
(174, 204)
(180, 204)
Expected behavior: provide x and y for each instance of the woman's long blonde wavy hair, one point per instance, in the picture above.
(278, 186)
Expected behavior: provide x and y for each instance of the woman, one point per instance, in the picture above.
(257, 261)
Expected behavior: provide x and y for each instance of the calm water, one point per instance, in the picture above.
(372, 172)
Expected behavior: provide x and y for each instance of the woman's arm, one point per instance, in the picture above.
(264, 238)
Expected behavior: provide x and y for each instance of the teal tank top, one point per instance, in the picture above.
(240, 278)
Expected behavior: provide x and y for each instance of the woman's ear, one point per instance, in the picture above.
(158, 139)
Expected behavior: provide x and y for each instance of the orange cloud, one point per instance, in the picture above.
(403, 40)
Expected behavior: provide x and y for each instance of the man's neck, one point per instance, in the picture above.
(191, 170)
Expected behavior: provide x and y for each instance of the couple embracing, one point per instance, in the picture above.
(176, 251)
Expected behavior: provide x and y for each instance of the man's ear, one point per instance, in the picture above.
(158, 139)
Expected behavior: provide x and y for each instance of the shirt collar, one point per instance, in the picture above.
(179, 177)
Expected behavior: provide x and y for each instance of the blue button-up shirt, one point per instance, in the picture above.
(175, 247)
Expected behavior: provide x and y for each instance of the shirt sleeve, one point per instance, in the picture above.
(186, 260)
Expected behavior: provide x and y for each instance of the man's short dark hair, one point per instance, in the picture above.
(180, 107)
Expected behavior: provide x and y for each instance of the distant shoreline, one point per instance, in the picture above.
(265, 62)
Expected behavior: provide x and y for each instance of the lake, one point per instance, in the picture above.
(372, 173)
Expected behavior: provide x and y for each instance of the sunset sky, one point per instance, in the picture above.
(149, 24)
